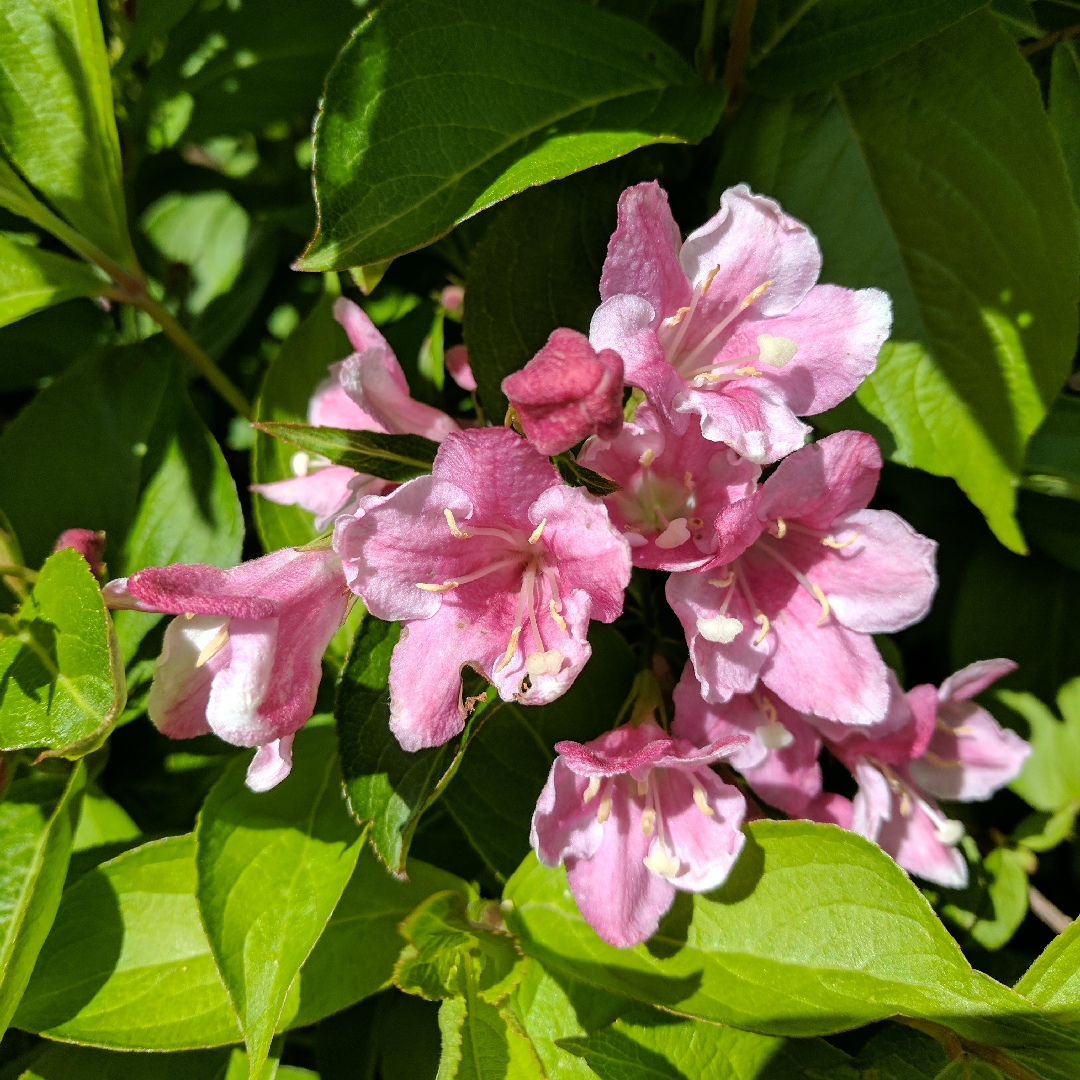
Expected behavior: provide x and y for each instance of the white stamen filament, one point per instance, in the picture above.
(721, 326)
(446, 586)
(813, 589)
(214, 645)
(648, 820)
(947, 831)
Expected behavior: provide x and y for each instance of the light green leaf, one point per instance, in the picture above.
(1009, 895)
(37, 824)
(290, 381)
(32, 279)
(59, 1062)
(1045, 830)
(482, 1042)
(1053, 981)
(816, 930)
(1065, 108)
(102, 821)
(936, 177)
(1050, 778)
(969, 1068)
(56, 116)
(61, 680)
(796, 46)
(562, 87)
(271, 869)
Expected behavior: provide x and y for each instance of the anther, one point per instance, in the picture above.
(511, 648)
(189, 614)
(648, 820)
(709, 279)
(604, 810)
(723, 583)
(823, 601)
(642, 786)
(455, 531)
(837, 545)
(446, 586)
(699, 801)
(544, 663)
(781, 529)
(299, 463)
(677, 318)
(214, 645)
(752, 371)
(591, 790)
(688, 481)
(560, 622)
(754, 295)
(538, 531)
(647, 458)
(763, 621)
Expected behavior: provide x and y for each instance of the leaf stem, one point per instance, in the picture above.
(955, 1046)
(1047, 911)
(704, 53)
(738, 49)
(1049, 40)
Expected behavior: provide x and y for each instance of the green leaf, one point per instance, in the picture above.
(493, 794)
(1045, 830)
(1017, 17)
(102, 821)
(37, 825)
(271, 869)
(568, 87)
(783, 948)
(796, 47)
(58, 1062)
(577, 475)
(1052, 464)
(1008, 894)
(152, 22)
(386, 786)
(537, 268)
(56, 116)
(935, 177)
(62, 683)
(290, 381)
(32, 279)
(901, 1053)
(1065, 108)
(1053, 981)
(1050, 778)
(482, 1042)
(393, 457)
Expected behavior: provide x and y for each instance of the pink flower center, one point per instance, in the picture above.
(661, 505)
(948, 831)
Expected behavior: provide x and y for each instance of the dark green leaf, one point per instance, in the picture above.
(271, 869)
(996, 900)
(61, 679)
(784, 948)
(1052, 464)
(901, 1053)
(32, 279)
(968, 1067)
(493, 794)
(393, 457)
(798, 47)
(1065, 108)
(152, 22)
(83, 1063)
(38, 818)
(579, 476)
(936, 177)
(562, 87)
(56, 116)
(1053, 981)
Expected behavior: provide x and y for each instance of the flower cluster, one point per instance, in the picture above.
(493, 562)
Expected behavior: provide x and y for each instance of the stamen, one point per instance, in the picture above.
(299, 463)
(723, 583)
(813, 589)
(661, 861)
(647, 458)
(591, 790)
(752, 371)
(642, 786)
(454, 530)
(940, 762)
(677, 318)
(674, 535)
(774, 736)
(754, 295)
(648, 820)
(760, 617)
(778, 529)
(446, 586)
(824, 602)
(511, 648)
(699, 800)
(214, 645)
(688, 481)
(721, 629)
(763, 621)
(544, 663)
(559, 621)
(837, 545)
(538, 531)
(189, 614)
(777, 352)
(604, 811)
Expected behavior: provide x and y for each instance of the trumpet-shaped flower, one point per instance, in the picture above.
(366, 392)
(491, 562)
(567, 392)
(729, 326)
(671, 488)
(635, 815)
(243, 657)
(802, 577)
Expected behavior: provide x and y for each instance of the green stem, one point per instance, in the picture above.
(738, 49)
(706, 67)
(1048, 40)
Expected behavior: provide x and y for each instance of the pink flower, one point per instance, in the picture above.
(490, 561)
(365, 392)
(802, 576)
(730, 325)
(635, 815)
(89, 544)
(244, 658)
(567, 392)
(671, 488)
(456, 359)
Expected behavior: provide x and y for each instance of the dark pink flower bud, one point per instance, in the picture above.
(89, 544)
(567, 392)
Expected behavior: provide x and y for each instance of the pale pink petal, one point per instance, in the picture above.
(563, 824)
(270, 765)
(117, 597)
(700, 722)
(903, 734)
(323, 492)
(180, 691)
(456, 359)
(752, 241)
(331, 406)
(643, 252)
(913, 841)
(621, 750)
(239, 688)
(974, 679)
(873, 802)
(831, 809)
(362, 332)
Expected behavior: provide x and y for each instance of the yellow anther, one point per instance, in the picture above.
(677, 318)
(940, 762)
(560, 622)
(709, 280)
(591, 790)
(648, 820)
(832, 542)
(446, 586)
(905, 804)
(702, 805)
(642, 787)
(538, 531)
(781, 529)
(722, 583)
(823, 601)
(763, 621)
(189, 614)
(604, 811)
(510, 650)
(747, 371)
(647, 458)
(454, 530)
(754, 295)
(688, 480)
(214, 645)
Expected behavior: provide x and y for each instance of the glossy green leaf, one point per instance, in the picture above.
(56, 116)
(798, 47)
(493, 794)
(570, 87)
(816, 930)
(936, 177)
(290, 381)
(393, 457)
(970, 1068)
(38, 818)
(537, 268)
(386, 786)
(1065, 108)
(271, 869)
(61, 680)
(577, 475)
(1050, 777)
(32, 279)
(1053, 981)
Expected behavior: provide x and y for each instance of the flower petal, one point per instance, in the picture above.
(270, 765)
(974, 679)
(563, 824)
